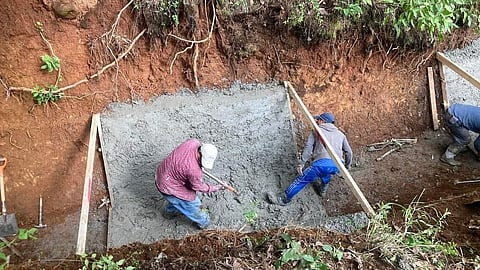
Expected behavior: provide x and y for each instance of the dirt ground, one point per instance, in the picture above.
(375, 98)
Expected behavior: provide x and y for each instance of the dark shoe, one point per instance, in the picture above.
(320, 189)
(450, 161)
(282, 199)
(168, 215)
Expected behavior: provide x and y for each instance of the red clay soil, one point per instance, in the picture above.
(374, 98)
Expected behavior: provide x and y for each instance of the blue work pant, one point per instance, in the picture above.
(323, 168)
(190, 209)
(461, 135)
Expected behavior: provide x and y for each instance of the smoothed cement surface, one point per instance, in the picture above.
(252, 127)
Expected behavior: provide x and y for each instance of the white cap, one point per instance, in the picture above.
(209, 154)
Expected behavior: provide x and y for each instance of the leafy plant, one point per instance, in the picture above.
(251, 214)
(335, 252)
(354, 10)
(305, 11)
(104, 262)
(295, 253)
(434, 18)
(50, 63)
(159, 15)
(23, 234)
(257, 242)
(46, 94)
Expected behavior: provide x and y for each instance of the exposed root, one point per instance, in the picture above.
(423, 59)
(121, 56)
(11, 141)
(111, 39)
(111, 36)
(193, 43)
(50, 48)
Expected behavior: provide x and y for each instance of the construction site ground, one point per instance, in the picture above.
(375, 98)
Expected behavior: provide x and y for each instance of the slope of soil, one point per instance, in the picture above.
(374, 98)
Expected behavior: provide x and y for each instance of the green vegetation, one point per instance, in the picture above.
(104, 262)
(410, 23)
(50, 63)
(51, 93)
(159, 16)
(406, 23)
(43, 95)
(251, 214)
(23, 234)
(305, 258)
(415, 238)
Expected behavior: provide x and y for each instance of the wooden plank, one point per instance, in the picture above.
(87, 187)
(343, 171)
(107, 170)
(433, 100)
(460, 71)
(443, 86)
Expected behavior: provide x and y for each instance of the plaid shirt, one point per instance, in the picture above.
(180, 173)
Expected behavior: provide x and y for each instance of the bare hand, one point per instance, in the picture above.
(300, 169)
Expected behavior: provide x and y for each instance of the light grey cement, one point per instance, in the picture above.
(252, 127)
(459, 90)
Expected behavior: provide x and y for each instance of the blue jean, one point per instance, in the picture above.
(461, 135)
(323, 168)
(190, 209)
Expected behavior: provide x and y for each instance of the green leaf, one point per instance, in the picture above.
(327, 248)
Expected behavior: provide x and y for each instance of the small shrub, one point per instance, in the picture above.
(50, 63)
(43, 95)
(104, 262)
(295, 253)
(251, 214)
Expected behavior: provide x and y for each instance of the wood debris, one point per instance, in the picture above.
(393, 144)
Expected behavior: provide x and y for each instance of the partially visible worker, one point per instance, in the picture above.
(179, 178)
(322, 167)
(460, 120)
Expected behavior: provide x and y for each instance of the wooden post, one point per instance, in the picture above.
(344, 172)
(467, 76)
(107, 170)
(433, 100)
(443, 85)
(87, 187)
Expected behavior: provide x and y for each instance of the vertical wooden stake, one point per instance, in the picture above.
(433, 100)
(443, 85)
(87, 187)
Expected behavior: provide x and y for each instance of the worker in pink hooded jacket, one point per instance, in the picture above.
(179, 177)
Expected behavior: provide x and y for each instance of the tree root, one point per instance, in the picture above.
(193, 43)
(98, 73)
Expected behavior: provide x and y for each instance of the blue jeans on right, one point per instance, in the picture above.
(323, 168)
(461, 135)
(190, 209)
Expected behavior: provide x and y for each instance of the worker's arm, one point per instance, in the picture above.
(197, 184)
(348, 153)
(308, 149)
